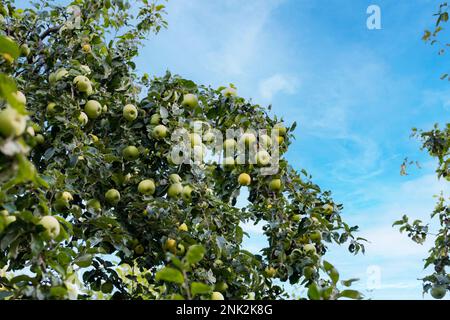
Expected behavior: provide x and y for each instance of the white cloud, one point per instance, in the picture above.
(278, 83)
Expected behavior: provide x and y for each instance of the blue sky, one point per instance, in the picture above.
(355, 94)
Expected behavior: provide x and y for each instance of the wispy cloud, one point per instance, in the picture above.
(278, 83)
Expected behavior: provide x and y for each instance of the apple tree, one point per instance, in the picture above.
(436, 142)
(102, 205)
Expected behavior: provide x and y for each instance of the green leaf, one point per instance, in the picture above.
(313, 292)
(9, 46)
(195, 253)
(199, 288)
(352, 294)
(349, 282)
(170, 275)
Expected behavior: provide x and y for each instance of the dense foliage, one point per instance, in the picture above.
(92, 147)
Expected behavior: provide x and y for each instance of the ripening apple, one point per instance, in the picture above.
(60, 73)
(130, 153)
(83, 83)
(8, 58)
(175, 190)
(270, 272)
(244, 179)
(51, 225)
(155, 119)
(171, 245)
(19, 97)
(229, 144)
(130, 112)
(262, 158)
(83, 119)
(94, 204)
(309, 248)
(39, 138)
(24, 50)
(229, 92)
(190, 100)
(316, 236)
(248, 138)
(279, 129)
(187, 193)
(86, 48)
(12, 123)
(438, 292)
(139, 249)
(160, 131)
(221, 286)
(328, 208)
(183, 227)
(209, 137)
(65, 196)
(217, 296)
(147, 187)
(93, 109)
(195, 139)
(275, 185)
(228, 162)
(51, 107)
(265, 141)
(112, 196)
(175, 178)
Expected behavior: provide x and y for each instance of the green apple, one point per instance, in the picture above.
(105, 109)
(190, 100)
(130, 112)
(60, 73)
(228, 162)
(39, 139)
(275, 185)
(265, 141)
(309, 248)
(107, 287)
(438, 292)
(270, 272)
(93, 109)
(209, 137)
(65, 196)
(187, 193)
(51, 225)
(9, 219)
(130, 153)
(262, 158)
(308, 272)
(160, 131)
(19, 97)
(244, 179)
(328, 208)
(229, 144)
(94, 204)
(112, 196)
(174, 178)
(155, 119)
(8, 58)
(183, 227)
(52, 78)
(139, 249)
(147, 187)
(51, 107)
(229, 92)
(83, 119)
(12, 123)
(82, 83)
(24, 50)
(199, 152)
(248, 138)
(316, 236)
(279, 129)
(221, 286)
(296, 217)
(86, 48)
(175, 190)
(217, 296)
(280, 140)
(195, 139)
